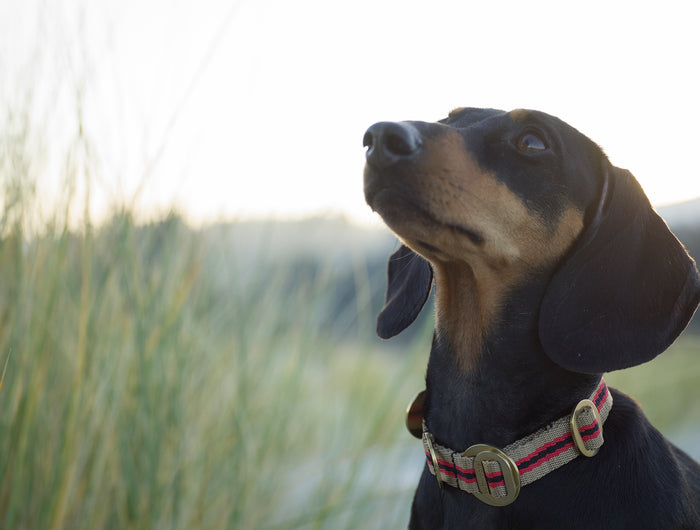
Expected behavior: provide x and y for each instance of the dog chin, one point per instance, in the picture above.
(416, 226)
(401, 215)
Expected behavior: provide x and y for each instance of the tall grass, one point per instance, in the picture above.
(157, 380)
(159, 376)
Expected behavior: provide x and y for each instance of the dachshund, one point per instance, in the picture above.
(549, 267)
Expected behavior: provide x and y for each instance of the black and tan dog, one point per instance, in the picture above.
(550, 268)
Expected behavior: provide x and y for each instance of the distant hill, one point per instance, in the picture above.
(682, 214)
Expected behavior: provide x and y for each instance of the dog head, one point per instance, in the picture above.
(512, 195)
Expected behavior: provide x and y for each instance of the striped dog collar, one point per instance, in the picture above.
(494, 475)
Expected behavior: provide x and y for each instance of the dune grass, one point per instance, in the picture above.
(156, 380)
(160, 376)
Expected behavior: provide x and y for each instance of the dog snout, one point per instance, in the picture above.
(389, 142)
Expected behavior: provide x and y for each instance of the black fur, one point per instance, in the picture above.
(410, 278)
(619, 297)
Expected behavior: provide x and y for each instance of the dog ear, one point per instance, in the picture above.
(410, 278)
(627, 289)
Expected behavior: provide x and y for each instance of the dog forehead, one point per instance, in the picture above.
(481, 121)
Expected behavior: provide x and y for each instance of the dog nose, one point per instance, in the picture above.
(389, 142)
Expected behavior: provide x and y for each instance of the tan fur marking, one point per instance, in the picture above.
(458, 313)
(520, 114)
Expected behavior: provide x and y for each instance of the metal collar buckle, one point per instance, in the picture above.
(511, 474)
(576, 434)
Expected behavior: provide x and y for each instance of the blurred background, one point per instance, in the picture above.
(190, 275)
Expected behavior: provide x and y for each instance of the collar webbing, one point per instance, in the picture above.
(495, 476)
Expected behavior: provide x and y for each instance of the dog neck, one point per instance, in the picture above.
(483, 357)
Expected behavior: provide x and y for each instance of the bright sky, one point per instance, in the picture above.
(258, 108)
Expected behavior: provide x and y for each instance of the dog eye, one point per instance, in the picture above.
(531, 143)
